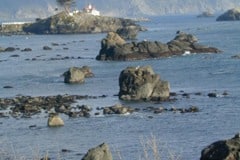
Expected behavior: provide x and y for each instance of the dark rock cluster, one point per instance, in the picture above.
(27, 106)
(118, 109)
(114, 48)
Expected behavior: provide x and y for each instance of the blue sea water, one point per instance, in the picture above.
(184, 135)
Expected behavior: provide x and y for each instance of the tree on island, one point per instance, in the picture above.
(66, 4)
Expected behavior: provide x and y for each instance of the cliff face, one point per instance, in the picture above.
(27, 9)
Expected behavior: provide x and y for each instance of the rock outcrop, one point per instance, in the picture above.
(64, 23)
(141, 83)
(77, 75)
(101, 152)
(120, 51)
(55, 120)
(223, 150)
(230, 15)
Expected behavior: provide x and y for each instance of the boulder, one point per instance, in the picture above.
(26, 50)
(47, 48)
(10, 49)
(122, 51)
(77, 75)
(230, 15)
(223, 150)
(101, 152)
(141, 83)
(55, 120)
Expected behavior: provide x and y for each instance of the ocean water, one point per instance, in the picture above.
(183, 135)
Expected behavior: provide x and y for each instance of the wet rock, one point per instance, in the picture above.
(47, 48)
(15, 55)
(101, 152)
(225, 93)
(26, 50)
(65, 150)
(213, 95)
(9, 49)
(77, 75)
(173, 94)
(80, 111)
(32, 126)
(230, 15)
(159, 110)
(141, 83)
(55, 44)
(192, 109)
(117, 109)
(222, 150)
(236, 56)
(118, 50)
(7, 87)
(55, 120)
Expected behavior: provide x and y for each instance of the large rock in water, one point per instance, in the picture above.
(101, 152)
(223, 150)
(182, 43)
(77, 75)
(55, 120)
(64, 23)
(141, 83)
(230, 15)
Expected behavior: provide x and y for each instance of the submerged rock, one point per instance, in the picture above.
(141, 83)
(230, 15)
(223, 150)
(119, 50)
(101, 152)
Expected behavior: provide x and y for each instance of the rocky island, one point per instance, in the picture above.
(64, 23)
(230, 15)
(114, 48)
